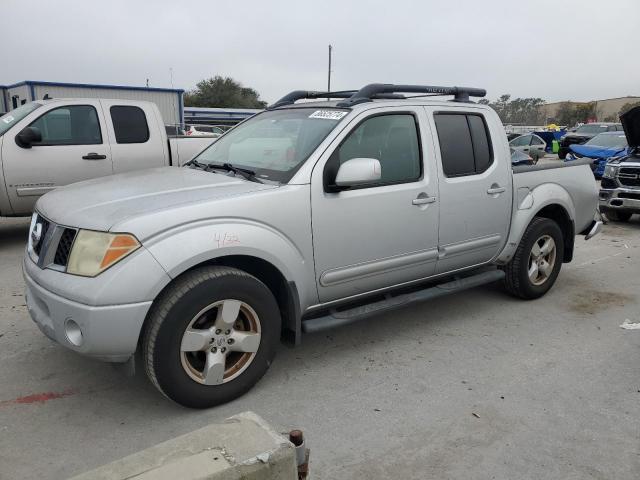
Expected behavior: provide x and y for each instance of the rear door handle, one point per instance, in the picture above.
(423, 200)
(495, 190)
(93, 156)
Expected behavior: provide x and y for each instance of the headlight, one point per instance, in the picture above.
(94, 252)
(609, 171)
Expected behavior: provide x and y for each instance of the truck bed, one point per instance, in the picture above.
(551, 166)
(573, 182)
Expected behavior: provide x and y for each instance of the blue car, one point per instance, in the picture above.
(600, 148)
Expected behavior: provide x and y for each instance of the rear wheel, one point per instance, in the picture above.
(617, 215)
(536, 264)
(211, 336)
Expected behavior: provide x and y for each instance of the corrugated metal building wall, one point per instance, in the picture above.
(169, 101)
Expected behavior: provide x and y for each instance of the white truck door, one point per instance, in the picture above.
(475, 187)
(137, 136)
(74, 147)
(385, 233)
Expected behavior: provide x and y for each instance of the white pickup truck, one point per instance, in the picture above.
(51, 143)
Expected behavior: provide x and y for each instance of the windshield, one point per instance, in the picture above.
(592, 128)
(609, 140)
(14, 116)
(274, 144)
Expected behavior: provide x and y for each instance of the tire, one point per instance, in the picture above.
(176, 341)
(617, 215)
(517, 278)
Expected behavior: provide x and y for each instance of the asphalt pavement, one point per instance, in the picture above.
(478, 385)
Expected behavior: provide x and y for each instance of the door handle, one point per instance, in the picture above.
(494, 190)
(93, 156)
(423, 200)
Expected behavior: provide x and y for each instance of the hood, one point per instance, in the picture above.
(594, 151)
(631, 124)
(100, 203)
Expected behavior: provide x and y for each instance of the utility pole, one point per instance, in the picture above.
(329, 72)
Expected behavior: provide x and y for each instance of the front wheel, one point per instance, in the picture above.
(211, 336)
(536, 264)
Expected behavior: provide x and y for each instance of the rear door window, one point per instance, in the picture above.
(129, 124)
(465, 145)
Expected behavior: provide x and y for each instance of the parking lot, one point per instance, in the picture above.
(477, 385)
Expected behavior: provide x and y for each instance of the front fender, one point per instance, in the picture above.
(529, 202)
(184, 247)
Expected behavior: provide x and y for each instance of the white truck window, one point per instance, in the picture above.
(69, 125)
(129, 124)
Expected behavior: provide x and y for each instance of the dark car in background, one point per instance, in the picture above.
(585, 133)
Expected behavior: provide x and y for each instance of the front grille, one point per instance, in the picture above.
(629, 176)
(45, 224)
(608, 183)
(64, 247)
(630, 196)
(51, 249)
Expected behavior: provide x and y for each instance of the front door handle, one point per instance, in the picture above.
(93, 156)
(495, 189)
(423, 200)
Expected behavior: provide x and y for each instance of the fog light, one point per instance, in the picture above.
(73, 332)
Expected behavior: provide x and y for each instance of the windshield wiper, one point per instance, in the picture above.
(197, 164)
(245, 172)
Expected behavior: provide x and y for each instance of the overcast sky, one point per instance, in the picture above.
(557, 50)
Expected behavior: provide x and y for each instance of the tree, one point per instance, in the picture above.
(520, 110)
(223, 92)
(570, 113)
(628, 106)
(566, 114)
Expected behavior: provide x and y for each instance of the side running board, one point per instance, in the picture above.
(339, 318)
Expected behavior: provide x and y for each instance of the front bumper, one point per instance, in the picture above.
(620, 198)
(108, 333)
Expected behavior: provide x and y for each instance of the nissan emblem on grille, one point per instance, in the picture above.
(36, 234)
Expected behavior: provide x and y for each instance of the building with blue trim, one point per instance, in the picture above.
(169, 100)
(217, 116)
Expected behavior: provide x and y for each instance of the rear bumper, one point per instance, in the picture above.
(620, 199)
(108, 333)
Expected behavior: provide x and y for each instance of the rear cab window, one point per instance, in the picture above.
(129, 124)
(465, 144)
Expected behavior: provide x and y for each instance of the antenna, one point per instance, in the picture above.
(329, 72)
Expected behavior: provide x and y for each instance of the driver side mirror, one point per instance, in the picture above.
(28, 136)
(358, 172)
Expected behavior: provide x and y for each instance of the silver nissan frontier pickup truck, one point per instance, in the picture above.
(307, 216)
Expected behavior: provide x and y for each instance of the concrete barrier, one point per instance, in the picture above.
(243, 447)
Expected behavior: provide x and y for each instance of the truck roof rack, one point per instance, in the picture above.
(380, 91)
(291, 98)
(368, 92)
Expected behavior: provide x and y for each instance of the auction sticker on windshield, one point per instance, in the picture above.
(328, 114)
(9, 119)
